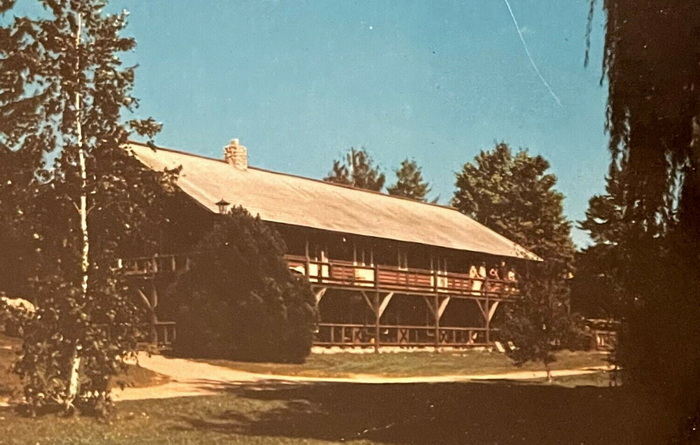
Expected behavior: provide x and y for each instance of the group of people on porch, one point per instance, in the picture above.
(498, 273)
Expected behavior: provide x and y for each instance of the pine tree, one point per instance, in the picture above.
(409, 182)
(63, 91)
(596, 288)
(357, 169)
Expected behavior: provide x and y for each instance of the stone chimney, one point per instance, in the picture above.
(236, 155)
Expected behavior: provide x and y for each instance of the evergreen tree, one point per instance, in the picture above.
(596, 288)
(409, 182)
(514, 195)
(63, 91)
(240, 301)
(357, 169)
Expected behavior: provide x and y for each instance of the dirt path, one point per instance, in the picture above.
(191, 378)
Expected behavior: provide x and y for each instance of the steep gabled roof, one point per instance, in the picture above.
(299, 201)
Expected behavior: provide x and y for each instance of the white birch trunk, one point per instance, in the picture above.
(74, 376)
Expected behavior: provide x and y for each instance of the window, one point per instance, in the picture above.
(403, 259)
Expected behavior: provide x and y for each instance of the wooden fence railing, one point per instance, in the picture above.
(346, 334)
(392, 278)
(347, 274)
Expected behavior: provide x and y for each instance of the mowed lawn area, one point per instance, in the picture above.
(410, 364)
(269, 412)
(314, 413)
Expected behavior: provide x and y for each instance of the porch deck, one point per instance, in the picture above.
(383, 282)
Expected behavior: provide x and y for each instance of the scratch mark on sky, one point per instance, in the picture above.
(529, 56)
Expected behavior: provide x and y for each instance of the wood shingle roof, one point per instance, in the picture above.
(295, 200)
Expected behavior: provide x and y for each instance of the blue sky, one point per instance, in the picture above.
(299, 82)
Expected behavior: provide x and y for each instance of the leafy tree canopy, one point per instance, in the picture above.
(513, 194)
(240, 301)
(62, 93)
(357, 169)
(409, 182)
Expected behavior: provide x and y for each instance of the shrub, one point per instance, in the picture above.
(239, 300)
(15, 313)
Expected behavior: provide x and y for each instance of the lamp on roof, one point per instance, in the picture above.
(223, 205)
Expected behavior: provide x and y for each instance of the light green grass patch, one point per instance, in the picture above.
(412, 364)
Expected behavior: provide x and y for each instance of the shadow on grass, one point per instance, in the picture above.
(444, 413)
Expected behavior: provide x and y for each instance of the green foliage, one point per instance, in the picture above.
(514, 195)
(62, 92)
(409, 182)
(539, 323)
(14, 317)
(106, 327)
(651, 47)
(240, 301)
(597, 287)
(358, 170)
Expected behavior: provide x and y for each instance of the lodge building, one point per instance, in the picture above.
(385, 270)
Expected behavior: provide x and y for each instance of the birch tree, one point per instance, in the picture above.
(64, 89)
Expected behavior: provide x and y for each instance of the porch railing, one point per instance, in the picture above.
(347, 274)
(363, 335)
(392, 278)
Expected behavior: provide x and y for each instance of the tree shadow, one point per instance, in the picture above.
(432, 413)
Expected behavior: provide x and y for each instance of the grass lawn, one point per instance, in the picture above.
(406, 364)
(314, 413)
(10, 385)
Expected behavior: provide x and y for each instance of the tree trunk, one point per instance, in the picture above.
(549, 372)
(74, 375)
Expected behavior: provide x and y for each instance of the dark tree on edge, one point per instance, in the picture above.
(652, 65)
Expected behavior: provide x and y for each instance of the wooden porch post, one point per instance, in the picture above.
(437, 322)
(154, 317)
(488, 320)
(376, 322)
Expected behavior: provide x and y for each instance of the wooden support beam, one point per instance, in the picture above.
(492, 310)
(384, 303)
(144, 298)
(376, 322)
(442, 306)
(481, 309)
(437, 322)
(488, 320)
(429, 302)
(154, 295)
(369, 302)
(152, 310)
(319, 294)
